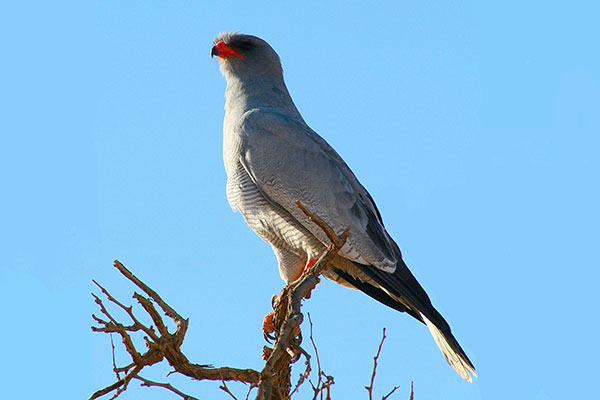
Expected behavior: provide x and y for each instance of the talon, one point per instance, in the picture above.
(267, 325)
(268, 337)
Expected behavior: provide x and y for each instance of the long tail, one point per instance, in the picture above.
(452, 351)
(401, 291)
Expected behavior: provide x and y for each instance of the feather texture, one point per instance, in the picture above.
(273, 159)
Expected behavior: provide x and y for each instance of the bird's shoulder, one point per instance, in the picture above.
(272, 127)
(280, 128)
(258, 122)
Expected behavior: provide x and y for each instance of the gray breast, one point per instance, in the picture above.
(273, 224)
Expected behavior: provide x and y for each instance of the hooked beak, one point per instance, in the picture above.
(223, 51)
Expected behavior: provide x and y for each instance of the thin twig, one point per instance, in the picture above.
(169, 311)
(125, 382)
(115, 369)
(167, 345)
(226, 390)
(129, 310)
(370, 387)
(390, 393)
(303, 375)
(249, 390)
(107, 389)
(168, 386)
(321, 385)
(312, 341)
(114, 326)
(317, 388)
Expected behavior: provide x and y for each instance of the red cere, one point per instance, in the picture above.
(226, 51)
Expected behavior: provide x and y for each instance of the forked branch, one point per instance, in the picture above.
(272, 381)
(159, 345)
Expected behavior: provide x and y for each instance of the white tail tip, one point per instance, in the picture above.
(456, 361)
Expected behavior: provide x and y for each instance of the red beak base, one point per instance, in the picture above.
(222, 50)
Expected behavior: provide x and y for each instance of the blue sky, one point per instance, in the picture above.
(475, 128)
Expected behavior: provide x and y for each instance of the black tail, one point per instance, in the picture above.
(401, 291)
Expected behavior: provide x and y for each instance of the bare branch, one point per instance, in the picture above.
(120, 385)
(115, 369)
(312, 340)
(370, 387)
(273, 382)
(322, 385)
(136, 324)
(167, 345)
(224, 388)
(107, 389)
(168, 386)
(390, 393)
(129, 275)
(249, 390)
(287, 316)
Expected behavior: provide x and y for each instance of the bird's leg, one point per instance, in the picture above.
(267, 325)
(310, 262)
(270, 331)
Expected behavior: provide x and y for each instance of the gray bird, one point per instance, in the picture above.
(273, 158)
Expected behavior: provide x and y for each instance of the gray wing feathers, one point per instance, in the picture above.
(289, 162)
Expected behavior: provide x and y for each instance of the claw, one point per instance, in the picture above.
(268, 328)
(267, 325)
(268, 337)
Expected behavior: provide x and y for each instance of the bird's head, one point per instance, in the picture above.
(245, 55)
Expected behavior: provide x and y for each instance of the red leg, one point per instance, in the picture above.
(309, 264)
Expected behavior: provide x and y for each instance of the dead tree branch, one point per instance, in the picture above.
(370, 387)
(324, 381)
(168, 386)
(375, 359)
(273, 382)
(159, 345)
(275, 377)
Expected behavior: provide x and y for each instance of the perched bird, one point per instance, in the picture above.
(273, 159)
